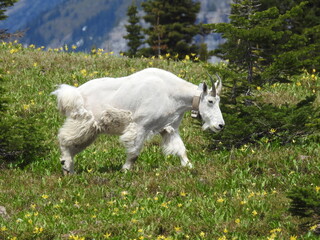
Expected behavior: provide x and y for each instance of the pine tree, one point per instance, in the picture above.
(134, 30)
(248, 37)
(261, 43)
(172, 26)
(4, 4)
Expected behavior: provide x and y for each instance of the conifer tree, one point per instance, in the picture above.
(134, 30)
(261, 43)
(172, 26)
(4, 4)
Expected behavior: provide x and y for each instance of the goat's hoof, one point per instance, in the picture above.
(188, 165)
(125, 170)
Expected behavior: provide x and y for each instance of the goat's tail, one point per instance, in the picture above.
(70, 101)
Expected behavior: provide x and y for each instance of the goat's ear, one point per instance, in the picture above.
(204, 88)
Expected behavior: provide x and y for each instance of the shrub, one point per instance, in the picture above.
(21, 140)
(305, 203)
(265, 123)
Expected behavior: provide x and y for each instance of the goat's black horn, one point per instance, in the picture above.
(213, 91)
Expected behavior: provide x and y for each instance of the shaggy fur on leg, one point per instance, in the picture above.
(115, 121)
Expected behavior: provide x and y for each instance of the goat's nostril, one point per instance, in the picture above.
(221, 126)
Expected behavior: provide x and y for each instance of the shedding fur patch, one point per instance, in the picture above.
(115, 121)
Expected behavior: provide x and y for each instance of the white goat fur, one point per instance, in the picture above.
(137, 106)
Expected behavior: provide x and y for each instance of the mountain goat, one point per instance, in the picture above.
(135, 107)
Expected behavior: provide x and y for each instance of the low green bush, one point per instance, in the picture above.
(305, 203)
(21, 138)
(261, 123)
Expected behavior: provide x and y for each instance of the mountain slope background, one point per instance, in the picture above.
(87, 24)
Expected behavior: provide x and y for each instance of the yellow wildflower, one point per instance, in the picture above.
(202, 234)
(317, 188)
(124, 193)
(44, 196)
(220, 200)
(272, 130)
(26, 106)
(177, 229)
(314, 227)
(272, 237)
(293, 237)
(237, 221)
(107, 235)
(251, 195)
(254, 212)
(84, 72)
(3, 229)
(38, 230)
(13, 50)
(275, 230)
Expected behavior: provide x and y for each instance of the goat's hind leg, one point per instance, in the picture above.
(74, 136)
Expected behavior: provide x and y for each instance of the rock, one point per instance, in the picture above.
(3, 212)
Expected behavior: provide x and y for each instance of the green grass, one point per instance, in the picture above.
(237, 194)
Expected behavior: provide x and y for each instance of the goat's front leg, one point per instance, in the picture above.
(66, 160)
(131, 159)
(172, 144)
(133, 139)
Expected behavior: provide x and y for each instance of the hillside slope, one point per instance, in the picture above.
(236, 194)
(85, 23)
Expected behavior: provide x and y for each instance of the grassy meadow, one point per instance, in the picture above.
(235, 194)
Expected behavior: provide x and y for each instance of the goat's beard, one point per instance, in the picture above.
(206, 126)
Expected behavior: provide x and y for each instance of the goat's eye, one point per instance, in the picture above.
(210, 101)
